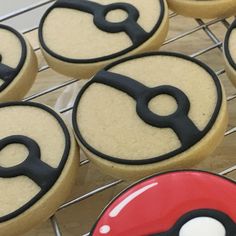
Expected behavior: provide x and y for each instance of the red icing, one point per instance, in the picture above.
(164, 199)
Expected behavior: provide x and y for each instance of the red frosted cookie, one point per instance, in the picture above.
(181, 203)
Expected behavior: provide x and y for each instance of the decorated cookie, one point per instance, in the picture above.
(38, 163)
(18, 65)
(203, 8)
(230, 53)
(79, 37)
(150, 113)
(185, 203)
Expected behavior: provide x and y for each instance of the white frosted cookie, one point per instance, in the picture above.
(230, 53)
(38, 165)
(150, 113)
(18, 65)
(80, 37)
(203, 8)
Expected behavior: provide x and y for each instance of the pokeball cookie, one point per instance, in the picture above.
(203, 8)
(80, 37)
(150, 113)
(230, 53)
(186, 203)
(38, 164)
(18, 65)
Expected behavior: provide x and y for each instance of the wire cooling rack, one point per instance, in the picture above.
(195, 37)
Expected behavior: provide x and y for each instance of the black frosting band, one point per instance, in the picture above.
(99, 11)
(178, 121)
(33, 167)
(8, 74)
(185, 129)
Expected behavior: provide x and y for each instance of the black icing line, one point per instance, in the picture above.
(132, 27)
(226, 45)
(32, 167)
(165, 156)
(44, 170)
(150, 177)
(8, 74)
(177, 121)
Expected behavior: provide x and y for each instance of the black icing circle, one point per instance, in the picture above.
(38, 171)
(226, 45)
(8, 74)
(130, 26)
(177, 122)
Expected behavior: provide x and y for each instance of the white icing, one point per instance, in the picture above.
(203, 226)
(130, 198)
(105, 229)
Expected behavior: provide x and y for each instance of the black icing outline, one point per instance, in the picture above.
(186, 216)
(226, 45)
(99, 59)
(57, 171)
(22, 58)
(165, 156)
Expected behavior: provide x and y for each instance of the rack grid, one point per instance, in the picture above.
(204, 26)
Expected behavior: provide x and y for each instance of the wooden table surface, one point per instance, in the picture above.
(78, 218)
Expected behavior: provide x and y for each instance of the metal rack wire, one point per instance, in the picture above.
(201, 26)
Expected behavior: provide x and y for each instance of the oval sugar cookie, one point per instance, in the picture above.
(180, 203)
(18, 65)
(78, 38)
(230, 53)
(150, 112)
(203, 8)
(38, 163)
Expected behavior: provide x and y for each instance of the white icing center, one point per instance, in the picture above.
(203, 226)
